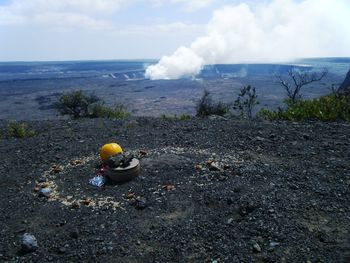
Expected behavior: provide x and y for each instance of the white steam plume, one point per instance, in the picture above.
(279, 31)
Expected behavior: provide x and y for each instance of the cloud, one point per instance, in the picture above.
(190, 5)
(67, 21)
(75, 13)
(164, 28)
(277, 31)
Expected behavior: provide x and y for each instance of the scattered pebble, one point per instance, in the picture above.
(214, 167)
(131, 196)
(86, 201)
(45, 192)
(274, 244)
(76, 162)
(199, 167)
(28, 243)
(256, 248)
(229, 221)
(56, 169)
(62, 250)
(209, 162)
(74, 234)
(140, 203)
(259, 139)
(169, 187)
(143, 153)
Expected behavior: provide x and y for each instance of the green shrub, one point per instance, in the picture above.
(246, 101)
(75, 103)
(100, 111)
(19, 130)
(327, 108)
(184, 117)
(79, 105)
(206, 107)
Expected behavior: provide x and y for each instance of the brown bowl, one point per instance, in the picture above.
(120, 175)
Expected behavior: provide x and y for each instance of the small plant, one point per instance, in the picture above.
(76, 103)
(167, 117)
(327, 108)
(182, 117)
(100, 111)
(19, 130)
(206, 107)
(246, 101)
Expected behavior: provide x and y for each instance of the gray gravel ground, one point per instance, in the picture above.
(214, 190)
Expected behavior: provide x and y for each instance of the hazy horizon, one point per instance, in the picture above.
(158, 59)
(181, 35)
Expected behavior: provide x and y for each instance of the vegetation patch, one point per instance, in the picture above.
(206, 106)
(246, 101)
(334, 107)
(102, 111)
(182, 117)
(19, 130)
(80, 105)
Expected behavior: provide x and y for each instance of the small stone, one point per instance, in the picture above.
(76, 162)
(140, 203)
(229, 221)
(229, 201)
(226, 166)
(86, 201)
(62, 223)
(214, 167)
(131, 196)
(256, 248)
(199, 167)
(74, 234)
(75, 205)
(306, 137)
(143, 153)
(28, 243)
(259, 139)
(45, 184)
(62, 250)
(169, 187)
(274, 244)
(209, 162)
(45, 192)
(56, 169)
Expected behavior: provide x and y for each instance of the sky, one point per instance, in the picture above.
(183, 34)
(99, 29)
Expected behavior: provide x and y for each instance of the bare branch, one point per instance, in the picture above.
(297, 80)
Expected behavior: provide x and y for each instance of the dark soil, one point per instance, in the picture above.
(276, 192)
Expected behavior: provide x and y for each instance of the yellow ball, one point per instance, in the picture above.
(109, 150)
